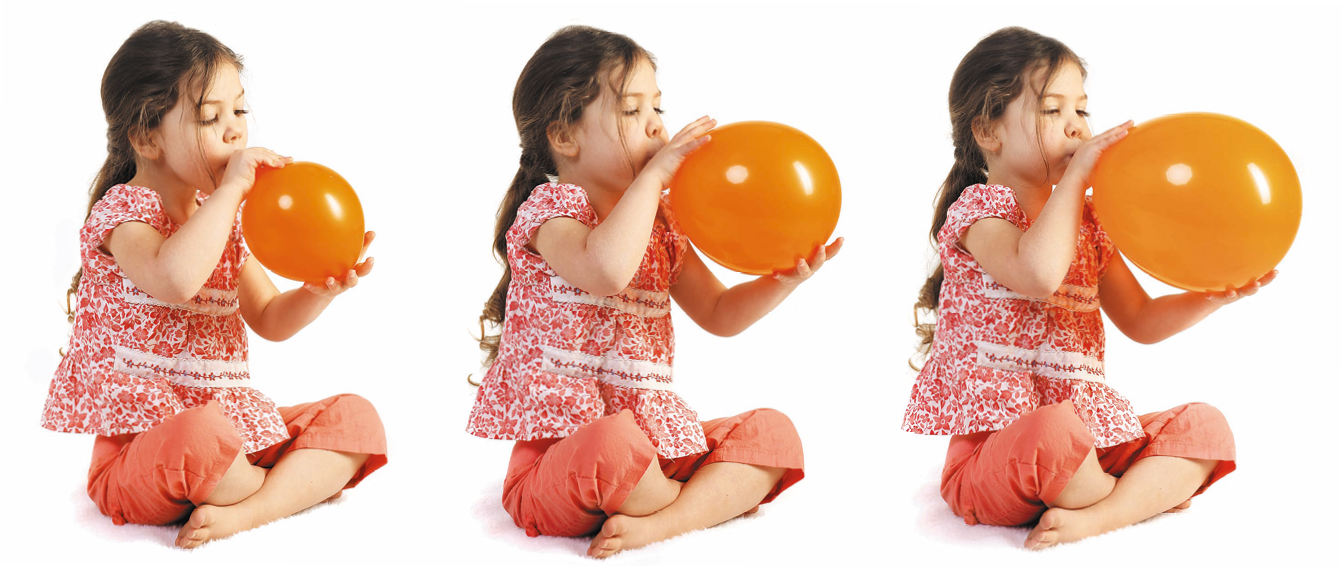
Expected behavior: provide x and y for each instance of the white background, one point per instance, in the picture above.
(411, 103)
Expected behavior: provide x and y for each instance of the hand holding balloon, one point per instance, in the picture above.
(332, 288)
(805, 270)
(1222, 298)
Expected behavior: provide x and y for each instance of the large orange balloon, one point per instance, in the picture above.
(303, 222)
(1199, 201)
(757, 197)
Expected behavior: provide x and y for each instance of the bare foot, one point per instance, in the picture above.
(1060, 526)
(209, 523)
(1181, 507)
(621, 532)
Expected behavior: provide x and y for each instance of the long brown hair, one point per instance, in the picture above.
(989, 77)
(143, 82)
(557, 83)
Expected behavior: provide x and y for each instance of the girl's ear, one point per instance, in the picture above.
(985, 135)
(562, 140)
(144, 144)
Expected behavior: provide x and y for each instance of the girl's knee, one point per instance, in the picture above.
(1047, 427)
(774, 422)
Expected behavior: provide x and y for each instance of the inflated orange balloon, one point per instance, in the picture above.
(1199, 201)
(757, 197)
(303, 222)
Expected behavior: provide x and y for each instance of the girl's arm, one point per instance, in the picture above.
(723, 311)
(1146, 320)
(277, 317)
(602, 261)
(1035, 262)
(173, 269)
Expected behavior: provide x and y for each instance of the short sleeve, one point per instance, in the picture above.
(676, 242)
(1103, 244)
(977, 202)
(547, 202)
(121, 204)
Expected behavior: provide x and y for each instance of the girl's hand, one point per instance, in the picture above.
(805, 270)
(241, 170)
(331, 288)
(1088, 154)
(1231, 295)
(667, 160)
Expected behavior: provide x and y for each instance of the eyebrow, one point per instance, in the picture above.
(1047, 95)
(213, 102)
(631, 95)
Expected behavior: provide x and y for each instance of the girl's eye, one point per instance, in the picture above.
(659, 111)
(241, 112)
(1050, 111)
(1084, 113)
(631, 112)
(208, 122)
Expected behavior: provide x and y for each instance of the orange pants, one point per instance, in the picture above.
(568, 486)
(160, 475)
(1007, 477)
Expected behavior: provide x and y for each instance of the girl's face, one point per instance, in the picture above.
(195, 147)
(1057, 121)
(636, 116)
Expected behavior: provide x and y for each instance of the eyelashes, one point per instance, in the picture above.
(210, 122)
(633, 112)
(1080, 113)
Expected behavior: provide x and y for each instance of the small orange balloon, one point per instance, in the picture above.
(1200, 201)
(303, 222)
(757, 197)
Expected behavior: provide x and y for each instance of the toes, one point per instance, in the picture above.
(1041, 539)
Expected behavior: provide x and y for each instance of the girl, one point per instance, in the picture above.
(157, 361)
(1016, 370)
(581, 374)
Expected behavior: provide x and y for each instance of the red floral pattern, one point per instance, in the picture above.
(999, 354)
(569, 358)
(133, 361)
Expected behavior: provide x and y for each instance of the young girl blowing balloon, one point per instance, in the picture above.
(157, 361)
(581, 375)
(1016, 366)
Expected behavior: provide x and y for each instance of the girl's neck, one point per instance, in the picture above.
(178, 198)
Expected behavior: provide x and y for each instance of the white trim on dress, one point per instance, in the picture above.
(208, 301)
(639, 302)
(187, 372)
(1071, 297)
(634, 374)
(1046, 363)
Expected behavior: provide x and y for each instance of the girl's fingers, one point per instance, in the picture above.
(365, 267)
(1265, 279)
(833, 248)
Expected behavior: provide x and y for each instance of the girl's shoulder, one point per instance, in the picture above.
(548, 201)
(120, 204)
(977, 202)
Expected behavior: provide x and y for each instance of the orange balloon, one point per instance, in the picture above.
(1200, 201)
(303, 222)
(758, 196)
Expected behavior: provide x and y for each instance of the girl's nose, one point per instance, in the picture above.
(655, 126)
(1075, 126)
(235, 128)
